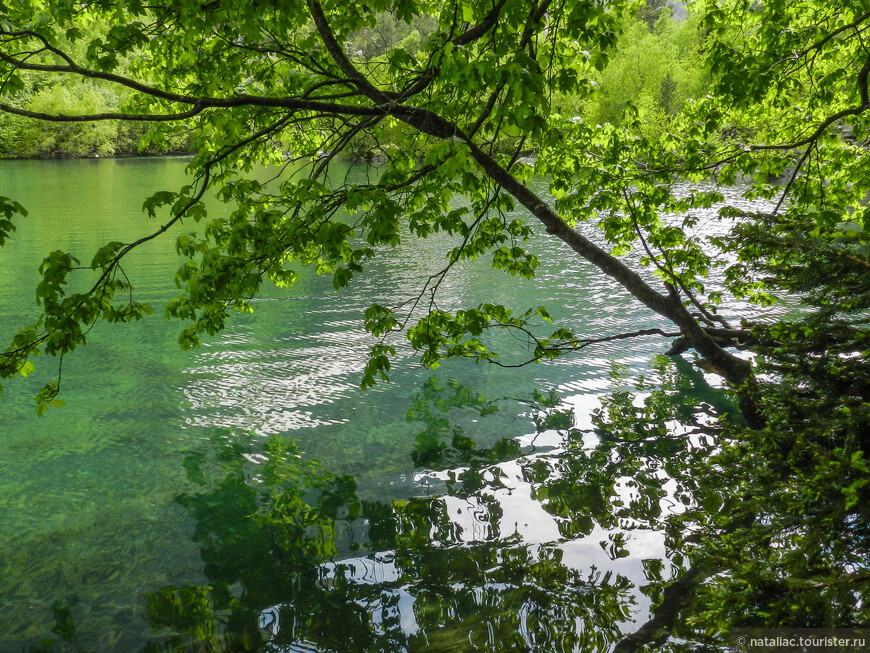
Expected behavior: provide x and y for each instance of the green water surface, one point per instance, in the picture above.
(156, 511)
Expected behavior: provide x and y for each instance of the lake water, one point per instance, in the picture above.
(153, 511)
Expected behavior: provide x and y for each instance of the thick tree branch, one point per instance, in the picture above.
(336, 51)
(488, 22)
(818, 45)
(96, 117)
(733, 368)
(338, 55)
(201, 102)
(674, 598)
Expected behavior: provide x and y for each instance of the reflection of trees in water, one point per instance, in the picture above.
(267, 549)
(298, 561)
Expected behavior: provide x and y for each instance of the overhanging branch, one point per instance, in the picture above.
(97, 117)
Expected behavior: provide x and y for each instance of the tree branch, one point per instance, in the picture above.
(296, 103)
(336, 51)
(575, 345)
(489, 21)
(95, 117)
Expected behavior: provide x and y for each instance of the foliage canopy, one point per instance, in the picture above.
(284, 85)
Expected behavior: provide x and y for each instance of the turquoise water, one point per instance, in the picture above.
(126, 515)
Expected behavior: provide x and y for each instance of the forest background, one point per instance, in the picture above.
(657, 66)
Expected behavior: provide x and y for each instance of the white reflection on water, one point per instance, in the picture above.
(296, 363)
(238, 381)
(506, 514)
